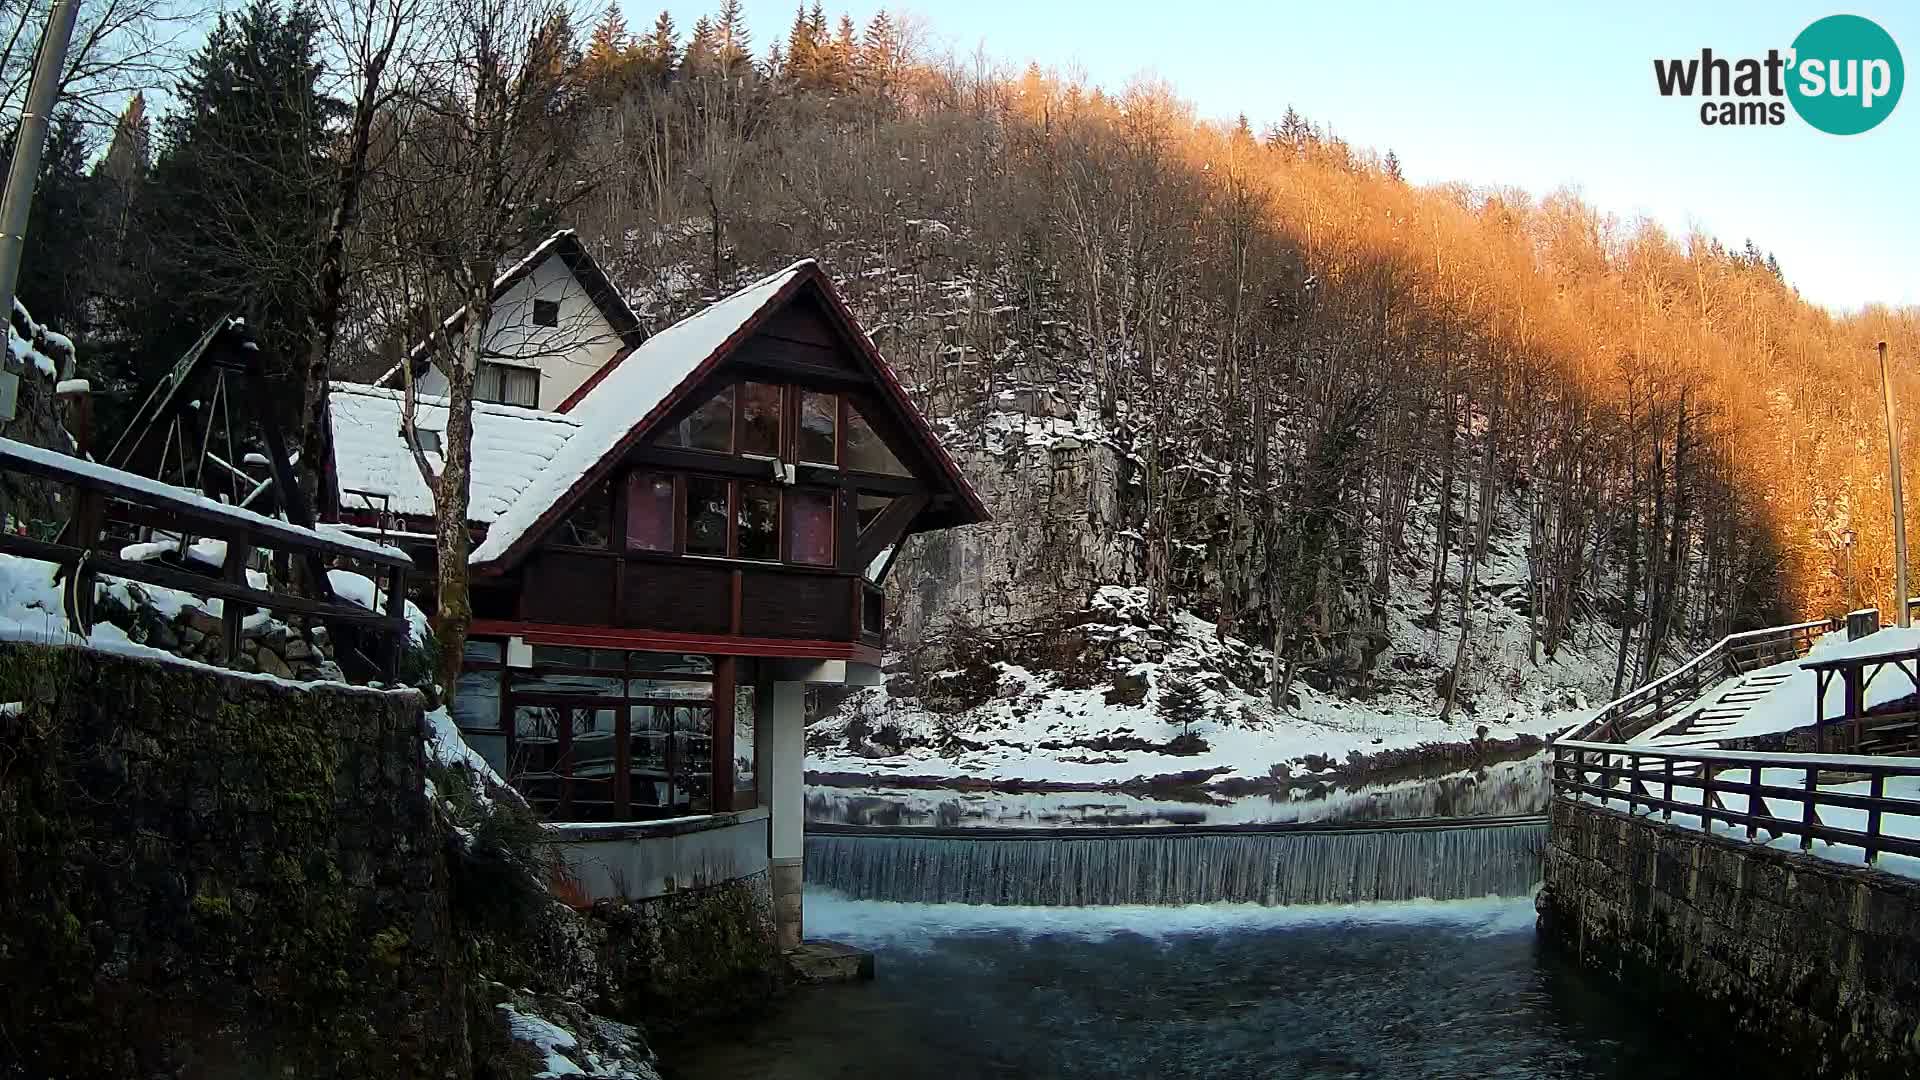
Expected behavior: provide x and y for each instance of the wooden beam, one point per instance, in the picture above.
(888, 528)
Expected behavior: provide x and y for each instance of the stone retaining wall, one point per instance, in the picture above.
(1818, 961)
(212, 876)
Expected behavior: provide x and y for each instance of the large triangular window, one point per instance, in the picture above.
(709, 427)
(866, 451)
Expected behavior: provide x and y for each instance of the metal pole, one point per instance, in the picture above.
(29, 139)
(1899, 506)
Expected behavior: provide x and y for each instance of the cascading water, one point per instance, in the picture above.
(1164, 866)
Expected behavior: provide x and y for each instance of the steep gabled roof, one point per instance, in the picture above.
(511, 446)
(566, 246)
(635, 391)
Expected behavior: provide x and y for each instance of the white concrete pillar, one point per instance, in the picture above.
(783, 724)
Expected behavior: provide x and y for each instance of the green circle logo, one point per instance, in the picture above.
(1846, 75)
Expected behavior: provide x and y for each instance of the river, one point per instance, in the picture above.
(1454, 989)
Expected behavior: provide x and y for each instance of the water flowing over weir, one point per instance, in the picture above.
(1437, 860)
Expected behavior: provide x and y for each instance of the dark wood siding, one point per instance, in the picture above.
(779, 352)
(564, 588)
(773, 604)
(802, 320)
(684, 597)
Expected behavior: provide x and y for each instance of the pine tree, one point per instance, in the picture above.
(234, 215)
(733, 43)
(660, 50)
(1391, 166)
(57, 260)
(1180, 703)
(608, 48)
(703, 52)
(803, 47)
(880, 51)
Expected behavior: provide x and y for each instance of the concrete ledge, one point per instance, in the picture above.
(641, 859)
(646, 830)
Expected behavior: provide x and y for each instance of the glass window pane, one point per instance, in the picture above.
(743, 728)
(676, 689)
(706, 516)
(547, 682)
(520, 386)
(476, 700)
(486, 382)
(759, 535)
(647, 756)
(692, 759)
(537, 723)
(483, 649)
(810, 524)
(562, 656)
(709, 427)
(586, 525)
(594, 744)
(865, 450)
(869, 507)
(759, 419)
(677, 663)
(649, 512)
(819, 414)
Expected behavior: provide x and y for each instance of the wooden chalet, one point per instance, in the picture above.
(664, 558)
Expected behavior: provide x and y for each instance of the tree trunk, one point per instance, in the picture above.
(453, 612)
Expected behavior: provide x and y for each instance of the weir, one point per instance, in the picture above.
(1442, 859)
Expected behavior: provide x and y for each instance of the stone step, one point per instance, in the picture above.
(817, 960)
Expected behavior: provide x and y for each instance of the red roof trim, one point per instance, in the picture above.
(608, 637)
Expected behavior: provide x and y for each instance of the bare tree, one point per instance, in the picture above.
(487, 160)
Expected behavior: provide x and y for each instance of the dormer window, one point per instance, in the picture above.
(546, 313)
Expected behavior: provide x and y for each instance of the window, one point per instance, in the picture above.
(476, 701)
(546, 313)
(649, 511)
(601, 734)
(502, 384)
(866, 452)
(759, 419)
(429, 440)
(759, 536)
(744, 721)
(810, 527)
(707, 515)
(709, 427)
(873, 612)
(587, 524)
(819, 414)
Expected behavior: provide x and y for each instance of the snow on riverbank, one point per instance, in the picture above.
(1025, 726)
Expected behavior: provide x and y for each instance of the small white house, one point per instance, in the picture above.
(556, 321)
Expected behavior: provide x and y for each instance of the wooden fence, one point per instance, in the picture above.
(1656, 779)
(100, 493)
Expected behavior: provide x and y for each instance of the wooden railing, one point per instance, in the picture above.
(1735, 654)
(1646, 780)
(100, 492)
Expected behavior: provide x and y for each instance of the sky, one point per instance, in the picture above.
(1540, 96)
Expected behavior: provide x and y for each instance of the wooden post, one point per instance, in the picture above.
(1875, 792)
(1899, 505)
(396, 637)
(1666, 812)
(1753, 800)
(1807, 815)
(232, 612)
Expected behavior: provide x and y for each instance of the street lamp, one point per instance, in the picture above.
(1853, 593)
(1899, 507)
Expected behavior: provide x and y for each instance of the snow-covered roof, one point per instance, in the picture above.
(624, 397)
(510, 447)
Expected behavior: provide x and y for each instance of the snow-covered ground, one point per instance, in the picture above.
(1036, 727)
